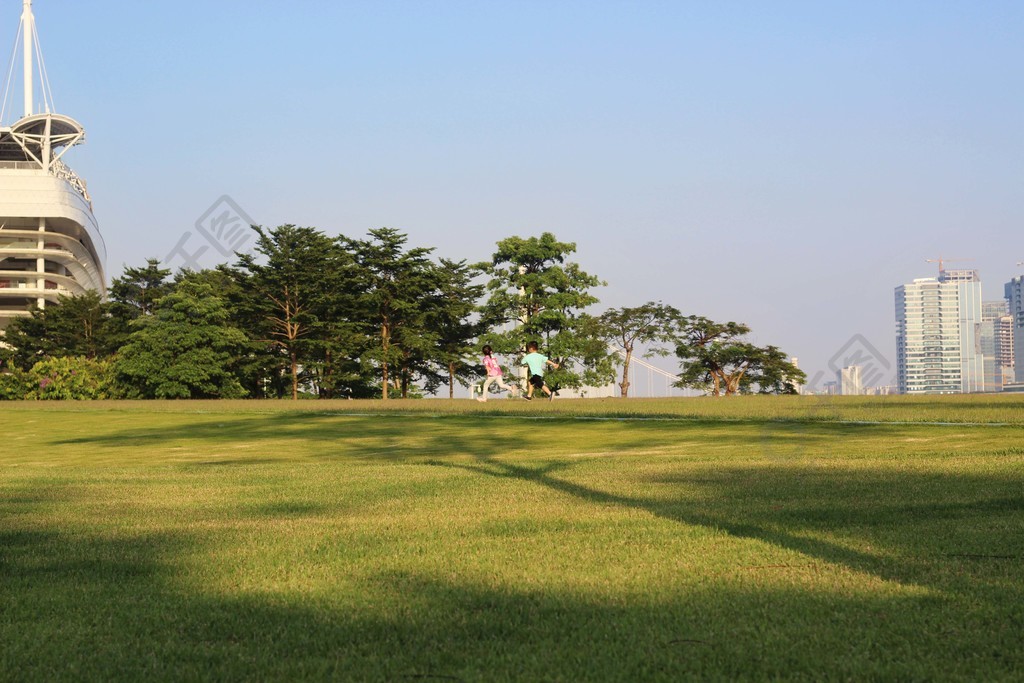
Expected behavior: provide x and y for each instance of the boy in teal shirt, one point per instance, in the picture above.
(537, 363)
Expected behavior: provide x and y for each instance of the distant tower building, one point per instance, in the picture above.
(938, 341)
(1004, 349)
(849, 381)
(797, 386)
(992, 312)
(50, 244)
(1015, 299)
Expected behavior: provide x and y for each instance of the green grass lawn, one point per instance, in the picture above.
(759, 538)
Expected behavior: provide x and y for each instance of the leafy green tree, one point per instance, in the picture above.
(401, 292)
(287, 285)
(716, 358)
(340, 338)
(455, 321)
(651, 323)
(542, 296)
(185, 349)
(75, 326)
(134, 294)
(138, 289)
(258, 365)
(774, 374)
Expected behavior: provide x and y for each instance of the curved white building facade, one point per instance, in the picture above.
(50, 244)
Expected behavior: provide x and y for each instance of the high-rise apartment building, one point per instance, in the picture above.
(1015, 300)
(1004, 348)
(850, 381)
(992, 313)
(938, 334)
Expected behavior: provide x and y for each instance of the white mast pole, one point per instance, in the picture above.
(28, 25)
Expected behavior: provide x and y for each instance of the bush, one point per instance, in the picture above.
(14, 385)
(70, 379)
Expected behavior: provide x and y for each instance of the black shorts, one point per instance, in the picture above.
(537, 381)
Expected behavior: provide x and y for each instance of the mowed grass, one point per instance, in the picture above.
(761, 538)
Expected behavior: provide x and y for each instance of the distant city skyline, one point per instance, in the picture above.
(784, 166)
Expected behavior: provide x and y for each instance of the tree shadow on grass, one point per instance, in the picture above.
(392, 437)
(93, 607)
(828, 513)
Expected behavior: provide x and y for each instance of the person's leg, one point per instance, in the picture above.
(506, 387)
(536, 381)
(487, 386)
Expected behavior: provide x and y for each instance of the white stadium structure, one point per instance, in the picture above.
(50, 244)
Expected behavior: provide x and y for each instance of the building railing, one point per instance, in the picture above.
(31, 245)
(22, 165)
(62, 171)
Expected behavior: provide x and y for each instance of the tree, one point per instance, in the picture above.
(75, 326)
(185, 349)
(334, 365)
(401, 292)
(716, 358)
(457, 330)
(134, 295)
(543, 296)
(139, 289)
(651, 323)
(287, 293)
(774, 373)
(255, 361)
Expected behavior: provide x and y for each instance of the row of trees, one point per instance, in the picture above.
(307, 313)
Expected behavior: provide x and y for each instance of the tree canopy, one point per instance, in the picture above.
(536, 294)
(185, 349)
(307, 314)
(651, 323)
(716, 357)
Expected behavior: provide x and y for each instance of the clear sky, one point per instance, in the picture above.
(783, 164)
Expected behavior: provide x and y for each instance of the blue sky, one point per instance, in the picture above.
(784, 164)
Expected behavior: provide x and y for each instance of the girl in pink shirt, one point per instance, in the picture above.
(494, 375)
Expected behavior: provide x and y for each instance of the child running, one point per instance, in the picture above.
(537, 362)
(494, 374)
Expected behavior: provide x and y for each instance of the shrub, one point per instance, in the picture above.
(70, 379)
(14, 385)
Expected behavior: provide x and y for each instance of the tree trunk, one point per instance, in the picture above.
(451, 381)
(295, 375)
(386, 346)
(624, 385)
(733, 386)
(405, 374)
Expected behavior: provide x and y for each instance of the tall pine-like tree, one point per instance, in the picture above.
(287, 291)
(456, 321)
(401, 291)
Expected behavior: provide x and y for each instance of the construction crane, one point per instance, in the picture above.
(943, 261)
